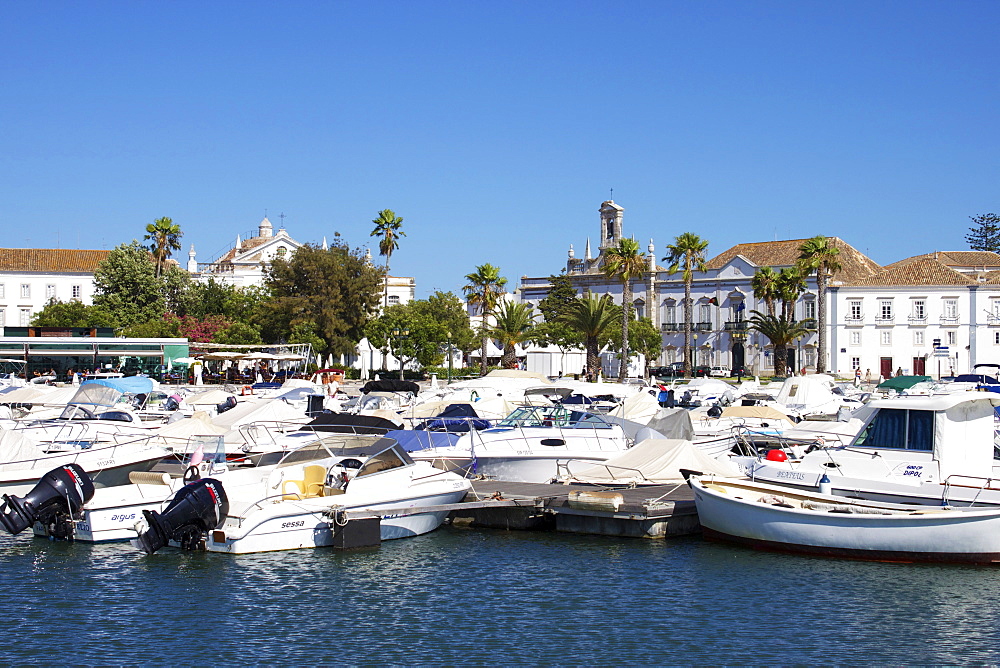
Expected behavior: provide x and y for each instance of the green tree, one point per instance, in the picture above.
(387, 228)
(594, 318)
(331, 293)
(687, 255)
(178, 289)
(126, 287)
(644, 339)
(818, 255)
(781, 333)
(72, 314)
(239, 333)
(765, 286)
(484, 289)
(557, 303)
(624, 262)
(789, 285)
(514, 325)
(984, 235)
(427, 323)
(165, 236)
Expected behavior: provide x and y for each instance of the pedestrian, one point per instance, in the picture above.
(899, 371)
(868, 376)
(857, 377)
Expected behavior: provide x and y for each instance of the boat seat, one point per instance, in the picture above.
(311, 485)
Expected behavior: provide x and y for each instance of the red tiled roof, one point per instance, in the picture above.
(854, 264)
(50, 260)
(921, 270)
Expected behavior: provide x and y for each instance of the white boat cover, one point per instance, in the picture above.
(760, 412)
(653, 461)
(17, 451)
(268, 410)
(640, 407)
(198, 424)
(673, 423)
(208, 397)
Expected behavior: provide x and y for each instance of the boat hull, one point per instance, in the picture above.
(759, 516)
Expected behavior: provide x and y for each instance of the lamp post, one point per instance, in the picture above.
(694, 356)
(449, 356)
(398, 335)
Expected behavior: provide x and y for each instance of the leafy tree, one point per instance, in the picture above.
(126, 287)
(427, 323)
(484, 288)
(818, 255)
(557, 303)
(332, 294)
(239, 333)
(232, 302)
(781, 333)
(789, 285)
(765, 286)
(72, 314)
(624, 262)
(167, 327)
(165, 236)
(687, 255)
(594, 318)
(178, 290)
(514, 325)
(643, 339)
(985, 234)
(387, 227)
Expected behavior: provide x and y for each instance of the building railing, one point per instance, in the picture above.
(671, 327)
(918, 319)
(885, 320)
(702, 327)
(855, 320)
(736, 326)
(949, 320)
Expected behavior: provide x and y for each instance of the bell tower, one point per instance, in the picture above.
(611, 224)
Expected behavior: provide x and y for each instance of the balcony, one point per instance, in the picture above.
(858, 319)
(702, 327)
(949, 320)
(890, 320)
(671, 327)
(918, 319)
(736, 326)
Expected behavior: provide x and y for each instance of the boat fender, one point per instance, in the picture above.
(247, 389)
(825, 487)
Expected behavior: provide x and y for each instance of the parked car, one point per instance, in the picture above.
(720, 371)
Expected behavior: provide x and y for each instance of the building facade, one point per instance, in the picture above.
(32, 277)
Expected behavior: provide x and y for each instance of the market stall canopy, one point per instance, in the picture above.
(261, 356)
(184, 360)
(223, 356)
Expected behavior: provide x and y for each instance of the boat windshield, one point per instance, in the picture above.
(897, 428)
(552, 416)
(392, 457)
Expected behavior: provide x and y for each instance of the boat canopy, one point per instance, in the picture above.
(124, 385)
(655, 460)
(903, 382)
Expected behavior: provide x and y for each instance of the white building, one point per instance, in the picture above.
(31, 277)
(244, 264)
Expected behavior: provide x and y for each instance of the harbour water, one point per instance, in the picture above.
(485, 597)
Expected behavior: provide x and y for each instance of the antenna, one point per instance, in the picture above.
(612, 194)
(282, 216)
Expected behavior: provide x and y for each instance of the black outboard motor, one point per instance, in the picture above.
(55, 501)
(197, 508)
(226, 405)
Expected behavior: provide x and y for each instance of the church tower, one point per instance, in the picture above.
(611, 224)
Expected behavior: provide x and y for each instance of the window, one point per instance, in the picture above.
(854, 309)
(918, 337)
(393, 299)
(855, 338)
(670, 314)
(706, 313)
(639, 309)
(996, 337)
(3, 318)
(25, 317)
(3, 291)
(810, 357)
(952, 338)
(885, 309)
(282, 251)
(897, 428)
(887, 337)
(855, 363)
(77, 292)
(919, 309)
(951, 309)
(809, 309)
(50, 291)
(25, 290)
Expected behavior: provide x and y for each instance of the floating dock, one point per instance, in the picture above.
(659, 511)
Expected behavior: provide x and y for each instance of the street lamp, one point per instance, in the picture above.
(398, 335)
(694, 357)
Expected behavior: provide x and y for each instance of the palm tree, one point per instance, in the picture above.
(686, 254)
(818, 255)
(789, 286)
(593, 317)
(514, 325)
(484, 288)
(166, 238)
(781, 333)
(624, 262)
(764, 286)
(387, 227)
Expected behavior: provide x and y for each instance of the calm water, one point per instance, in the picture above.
(469, 596)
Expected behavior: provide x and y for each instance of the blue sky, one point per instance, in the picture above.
(496, 129)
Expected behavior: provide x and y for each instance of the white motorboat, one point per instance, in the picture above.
(22, 461)
(300, 502)
(529, 444)
(910, 449)
(779, 518)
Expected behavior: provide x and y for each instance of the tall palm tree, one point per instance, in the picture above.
(387, 227)
(686, 254)
(593, 317)
(818, 255)
(624, 262)
(765, 286)
(780, 333)
(514, 325)
(789, 285)
(166, 238)
(484, 288)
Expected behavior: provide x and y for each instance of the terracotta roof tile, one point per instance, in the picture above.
(854, 263)
(920, 270)
(50, 260)
(971, 259)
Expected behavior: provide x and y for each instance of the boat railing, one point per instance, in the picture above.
(559, 433)
(969, 482)
(564, 473)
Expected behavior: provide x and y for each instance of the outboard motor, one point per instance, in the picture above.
(196, 509)
(55, 501)
(226, 405)
(715, 411)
